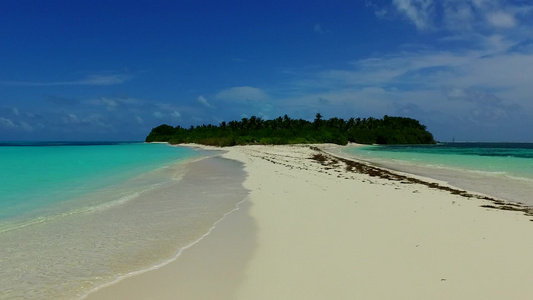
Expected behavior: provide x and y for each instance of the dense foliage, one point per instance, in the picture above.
(284, 130)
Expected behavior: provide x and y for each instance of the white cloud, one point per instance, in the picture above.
(484, 87)
(422, 70)
(380, 12)
(202, 100)
(391, 69)
(139, 120)
(242, 93)
(460, 15)
(501, 19)
(491, 78)
(108, 102)
(176, 114)
(482, 3)
(419, 12)
(102, 79)
(158, 114)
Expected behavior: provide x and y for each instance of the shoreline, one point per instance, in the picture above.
(130, 291)
(305, 212)
(395, 174)
(132, 224)
(518, 193)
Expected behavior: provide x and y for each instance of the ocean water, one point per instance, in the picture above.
(502, 170)
(45, 179)
(74, 217)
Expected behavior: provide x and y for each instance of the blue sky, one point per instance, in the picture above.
(112, 70)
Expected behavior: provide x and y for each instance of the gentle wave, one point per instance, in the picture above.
(112, 233)
(14, 225)
(505, 174)
(172, 259)
(515, 162)
(40, 178)
(123, 199)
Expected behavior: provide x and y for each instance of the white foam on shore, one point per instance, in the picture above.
(326, 233)
(120, 232)
(172, 259)
(127, 191)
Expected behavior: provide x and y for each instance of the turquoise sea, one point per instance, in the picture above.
(76, 216)
(503, 170)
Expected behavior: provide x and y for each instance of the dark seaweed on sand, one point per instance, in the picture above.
(357, 167)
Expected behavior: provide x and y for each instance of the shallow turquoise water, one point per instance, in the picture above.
(511, 159)
(76, 217)
(36, 178)
(502, 170)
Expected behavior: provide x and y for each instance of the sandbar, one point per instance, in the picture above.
(313, 227)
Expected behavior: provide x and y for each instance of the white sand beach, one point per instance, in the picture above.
(315, 229)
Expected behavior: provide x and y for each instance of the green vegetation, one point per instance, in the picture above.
(284, 130)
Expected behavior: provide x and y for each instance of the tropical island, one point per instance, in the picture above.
(284, 130)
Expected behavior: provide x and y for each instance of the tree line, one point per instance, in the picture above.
(284, 130)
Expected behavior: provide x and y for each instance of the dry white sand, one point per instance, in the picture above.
(312, 231)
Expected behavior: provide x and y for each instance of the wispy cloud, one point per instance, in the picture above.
(9, 124)
(482, 85)
(202, 100)
(6, 123)
(487, 107)
(91, 80)
(113, 103)
(176, 114)
(419, 12)
(100, 117)
(501, 19)
(380, 11)
(242, 93)
(108, 102)
(454, 15)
